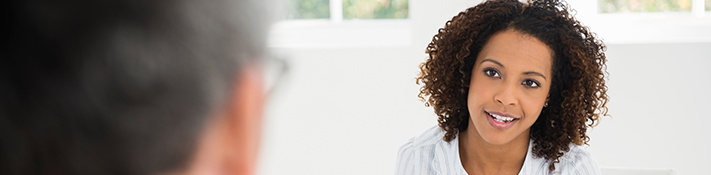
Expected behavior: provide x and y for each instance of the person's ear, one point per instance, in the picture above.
(245, 122)
(230, 142)
(545, 104)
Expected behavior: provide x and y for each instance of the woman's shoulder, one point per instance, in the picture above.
(577, 161)
(417, 155)
(431, 136)
(423, 143)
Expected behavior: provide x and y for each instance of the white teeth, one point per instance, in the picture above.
(502, 119)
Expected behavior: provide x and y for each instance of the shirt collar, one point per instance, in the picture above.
(446, 159)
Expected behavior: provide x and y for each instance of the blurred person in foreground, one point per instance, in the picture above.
(131, 87)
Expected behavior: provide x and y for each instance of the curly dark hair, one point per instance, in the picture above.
(578, 93)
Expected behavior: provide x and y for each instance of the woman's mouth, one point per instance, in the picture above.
(499, 121)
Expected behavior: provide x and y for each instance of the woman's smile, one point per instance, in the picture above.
(501, 121)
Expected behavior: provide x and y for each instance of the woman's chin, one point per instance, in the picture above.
(499, 138)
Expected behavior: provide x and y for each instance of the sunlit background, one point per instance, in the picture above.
(349, 98)
(350, 9)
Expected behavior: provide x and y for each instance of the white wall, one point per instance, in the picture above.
(344, 111)
(660, 96)
(347, 109)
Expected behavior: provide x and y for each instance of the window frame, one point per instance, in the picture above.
(612, 28)
(646, 27)
(335, 32)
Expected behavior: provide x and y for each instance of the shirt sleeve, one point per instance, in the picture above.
(405, 159)
(580, 162)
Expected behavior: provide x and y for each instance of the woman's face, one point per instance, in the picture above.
(509, 86)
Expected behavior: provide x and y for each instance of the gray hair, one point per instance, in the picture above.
(119, 86)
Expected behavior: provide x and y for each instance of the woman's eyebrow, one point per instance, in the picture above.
(535, 73)
(493, 61)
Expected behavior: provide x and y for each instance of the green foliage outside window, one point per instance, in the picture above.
(621, 6)
(375, 9)
(708, 5)
(308, 9)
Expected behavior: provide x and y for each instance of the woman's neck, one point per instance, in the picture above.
(481, 157)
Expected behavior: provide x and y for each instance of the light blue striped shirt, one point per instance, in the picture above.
(429, 154)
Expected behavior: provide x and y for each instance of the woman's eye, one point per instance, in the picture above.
(531, 83)
(492, 73)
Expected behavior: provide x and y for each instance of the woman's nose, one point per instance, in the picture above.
(506, 94)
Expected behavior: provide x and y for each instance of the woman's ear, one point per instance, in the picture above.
(545, 104)
(230, 142)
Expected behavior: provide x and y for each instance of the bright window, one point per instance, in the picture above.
(617, 6)
(347, 9)
(634, 6)
(646, 21)
(343, 23)
(375, 9)
(307, 9)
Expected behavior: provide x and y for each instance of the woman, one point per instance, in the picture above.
(515, 86)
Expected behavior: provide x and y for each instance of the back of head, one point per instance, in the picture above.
(117, 86)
